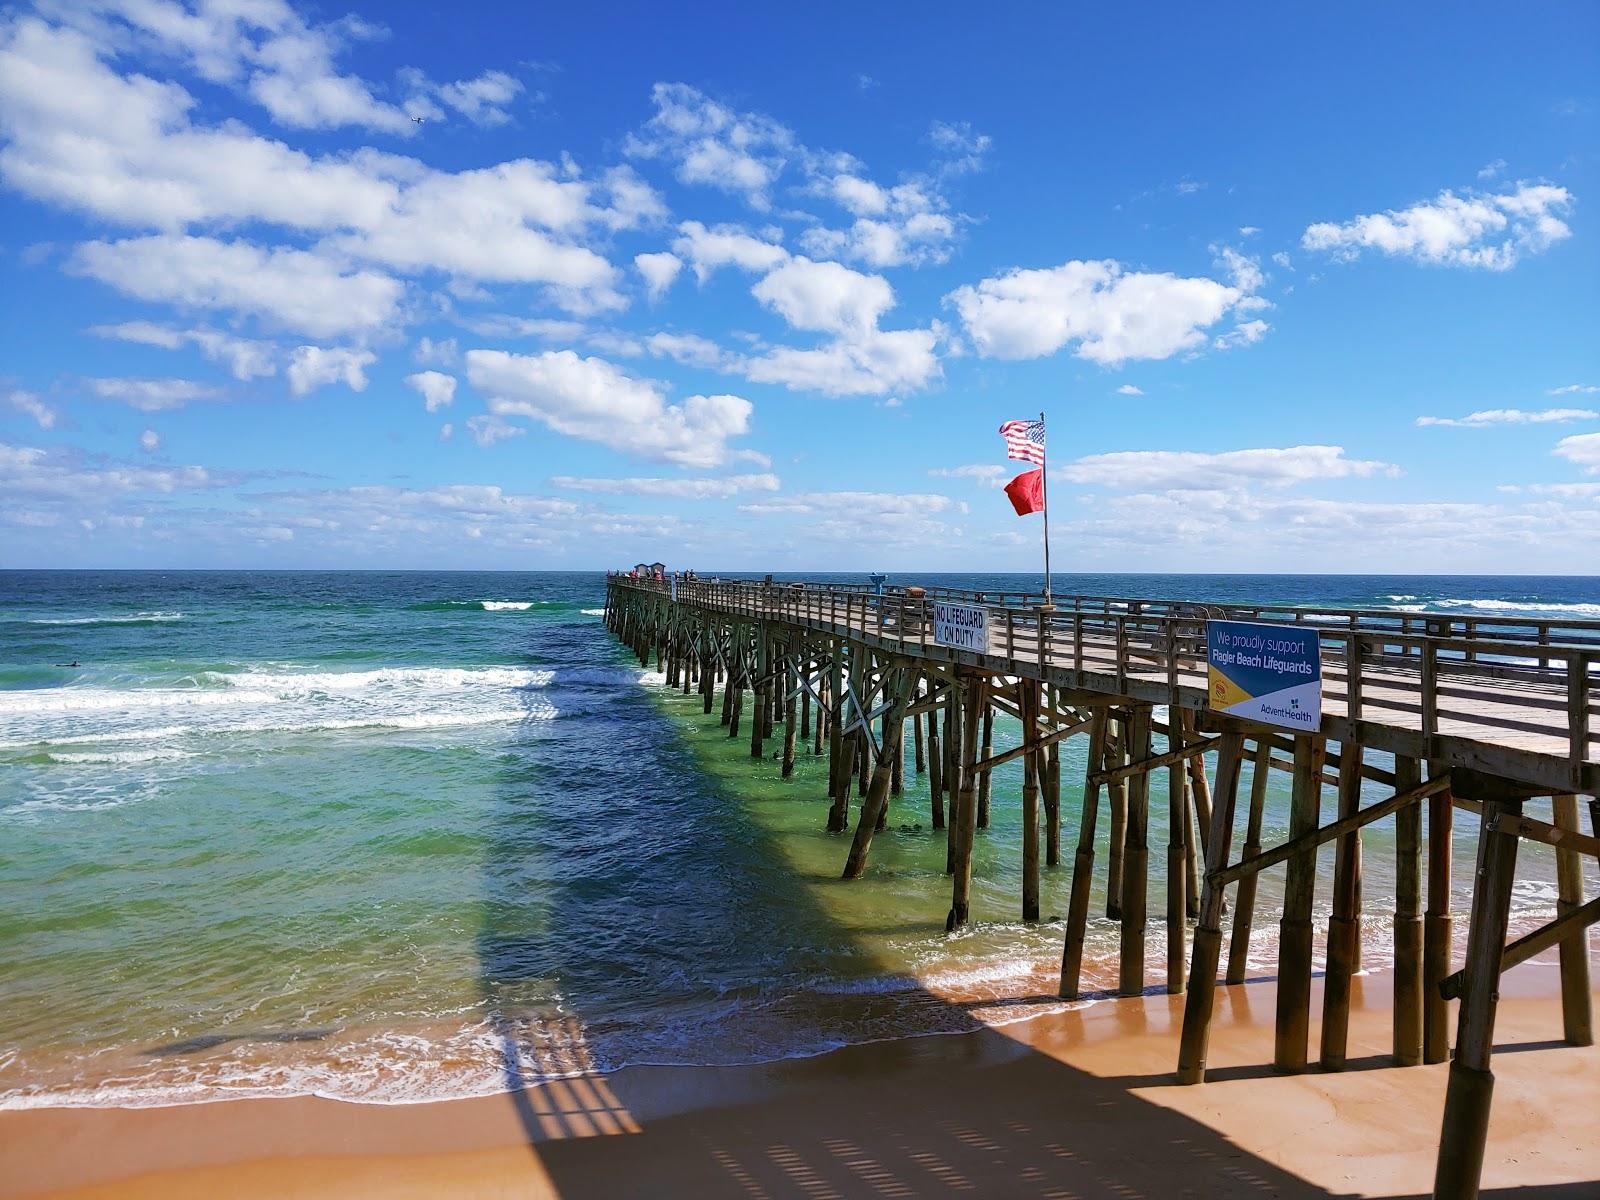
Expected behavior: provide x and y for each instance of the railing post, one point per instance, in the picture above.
(1122, 654)
(1430, 696)
(1352, 652)
(1577, 715)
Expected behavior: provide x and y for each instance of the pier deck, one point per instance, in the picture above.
(1470, 713)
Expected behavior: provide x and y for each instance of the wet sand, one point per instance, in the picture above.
(1071, 1104)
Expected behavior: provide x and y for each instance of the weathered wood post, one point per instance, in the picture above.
(877, 801)
(1136, 858)
(1117, 793)
(1438, 929)
(1052, 806)
(1577, 1014)
(1344, 926)
(1299, 889)
(966, 816)
(1244, 901)
(984, 780)
(761, 689)
(1083, 859)
(1408, 918)
(1028, 694)
(918, 749)
(936, 760)
(957, 718)
(1177, 813)
(789, 727)
(1197, 1008)
(838, 794)
(1467, 1100)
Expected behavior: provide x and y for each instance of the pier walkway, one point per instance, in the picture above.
(1482, 714)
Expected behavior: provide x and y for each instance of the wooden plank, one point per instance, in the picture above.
(1576, 920)
(1135, 862)
(1083, 862)
(1245, 901)
(1131, 769)
(1197, 1009)
(1407, 1017)
(1471, 1088)
(1294, 929)
(1577, 1008)
(1326, 833)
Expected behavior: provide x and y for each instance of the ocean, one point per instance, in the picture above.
(393, 837)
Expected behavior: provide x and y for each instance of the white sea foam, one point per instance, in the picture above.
(130, 619)
(593, 612)
(275, 700)
(1408, 608)
(121, 758)
(506, 605)
(1403, 597)
(1522, 606)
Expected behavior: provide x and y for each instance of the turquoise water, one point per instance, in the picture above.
(391, 837)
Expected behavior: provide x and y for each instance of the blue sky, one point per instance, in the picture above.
(751, 287)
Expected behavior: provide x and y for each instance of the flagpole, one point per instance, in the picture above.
(1044, 486)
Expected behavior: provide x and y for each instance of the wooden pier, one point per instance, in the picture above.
(1475, 715)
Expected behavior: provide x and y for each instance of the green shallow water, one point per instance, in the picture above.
(391, 837)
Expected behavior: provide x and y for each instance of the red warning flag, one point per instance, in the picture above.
(1026, 492)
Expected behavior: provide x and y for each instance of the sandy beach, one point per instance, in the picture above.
(1071, 1104)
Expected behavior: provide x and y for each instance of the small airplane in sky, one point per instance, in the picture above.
(418, 120)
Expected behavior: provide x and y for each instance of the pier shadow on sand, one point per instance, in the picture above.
(616, 868)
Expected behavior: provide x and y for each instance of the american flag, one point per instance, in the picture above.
(1024, 440)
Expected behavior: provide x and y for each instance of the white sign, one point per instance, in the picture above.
(963, 626)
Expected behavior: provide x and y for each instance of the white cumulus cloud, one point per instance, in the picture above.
(435, 387)
(1583, 450)
(1183, 469)
(311, 367)
(1107, 314)
(1511, 416)
(1492, 230)
(593, 399)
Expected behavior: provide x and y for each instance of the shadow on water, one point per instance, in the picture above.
(626, 895)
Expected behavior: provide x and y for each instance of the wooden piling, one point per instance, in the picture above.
(1465, 1129)
(918, 750)
(1191, 872)
(1029, 696)
(1408, 919)
(1135, 859)
(838, 796)
(984, 780)
(966, 816)
(1577, 1016)
(1299, 889)
(789, 732)
(1197, 1008)
(877, 801)
(760, 689)
(1083, 859)
(935, 768)
(954, 733)
(1177, 887)
(1438, 929)
(1344, 927)
(1117, 793)
(1052, 806)
(1244, 901)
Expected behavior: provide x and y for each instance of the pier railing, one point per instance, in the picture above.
(1527, 686)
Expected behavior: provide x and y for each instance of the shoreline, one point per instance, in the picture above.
(1080, 1100)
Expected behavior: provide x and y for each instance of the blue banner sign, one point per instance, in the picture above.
(1266, 673)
